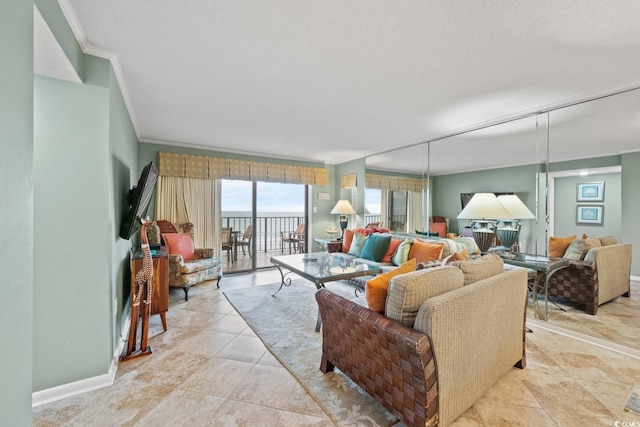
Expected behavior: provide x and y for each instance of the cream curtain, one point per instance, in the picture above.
(415, 212)
(194, 200)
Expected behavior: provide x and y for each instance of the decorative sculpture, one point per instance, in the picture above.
(143, 288)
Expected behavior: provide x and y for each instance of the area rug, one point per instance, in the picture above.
(286, 324)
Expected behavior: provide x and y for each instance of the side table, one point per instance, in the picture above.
(329, 245)
(160, 291)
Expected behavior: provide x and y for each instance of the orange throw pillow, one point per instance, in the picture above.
(558, 245)
(347, 238)
(375, 291)
(180, 244)
(424, 251)
(393, 245)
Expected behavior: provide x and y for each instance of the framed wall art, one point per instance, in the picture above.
(590, 215)
(590, 192)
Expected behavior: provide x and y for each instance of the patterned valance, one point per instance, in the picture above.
(184, 165)
(390, 182)
(349, 181)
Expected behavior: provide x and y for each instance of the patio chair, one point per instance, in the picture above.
(295, 239)
(227, 242)
(245, 240)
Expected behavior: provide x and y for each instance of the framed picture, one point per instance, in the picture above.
(590, 215)
(591, 192)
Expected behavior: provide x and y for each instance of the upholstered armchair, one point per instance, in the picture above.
(187, 265)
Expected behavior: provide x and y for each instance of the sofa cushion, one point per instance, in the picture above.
(608, 240)
(575, 251)
(357, 244)
(558, 245)
(347, 238)
(480, 268)
(376, 288)
(469, 243)
(402, 253)
(393, 246)
(457, 256)
(408, 291)
(425, 251)
(376, 247)
(180, 244)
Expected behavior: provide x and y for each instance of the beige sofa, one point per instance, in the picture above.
(600, 275)
(440, 345)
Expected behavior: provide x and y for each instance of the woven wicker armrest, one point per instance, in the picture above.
(174, 258)
(390, 361)
(203, 253)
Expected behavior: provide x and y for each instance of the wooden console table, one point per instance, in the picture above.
(160, 292)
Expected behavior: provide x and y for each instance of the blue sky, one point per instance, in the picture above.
(272, 197)
(275, 197)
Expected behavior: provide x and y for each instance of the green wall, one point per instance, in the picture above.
(520, 180)
(85, 156)
(16, 210)
(71, 268)
(564, 207)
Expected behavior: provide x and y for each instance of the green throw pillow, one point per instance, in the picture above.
(402, 253)
(357, 244)
(376, 247)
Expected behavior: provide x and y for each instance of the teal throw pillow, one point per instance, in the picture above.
(357, 244)
(376, 247)
(402, 253)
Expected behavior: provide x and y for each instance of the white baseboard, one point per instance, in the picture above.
(64, 391)
(635, 278)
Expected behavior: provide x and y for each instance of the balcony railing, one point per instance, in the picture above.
(267, 230)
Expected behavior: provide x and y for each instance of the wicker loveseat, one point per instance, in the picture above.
(600, 276)
(428, 359)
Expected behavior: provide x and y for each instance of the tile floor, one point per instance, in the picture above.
(209, 368)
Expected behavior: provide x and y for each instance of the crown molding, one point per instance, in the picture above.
(88, 49)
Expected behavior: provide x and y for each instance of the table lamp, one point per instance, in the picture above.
(508, 230)
(343, 208)
(484, 209)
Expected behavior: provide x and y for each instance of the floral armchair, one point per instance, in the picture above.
(187, 265)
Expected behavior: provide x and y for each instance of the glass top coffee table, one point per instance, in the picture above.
(320, 268)
(544, 269)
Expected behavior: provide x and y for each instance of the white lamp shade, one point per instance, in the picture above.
(515, 207)
(343, 207)
(484, 205)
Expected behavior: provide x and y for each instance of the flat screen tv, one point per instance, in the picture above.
(138, 200)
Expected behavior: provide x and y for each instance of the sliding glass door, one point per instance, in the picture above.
(261, 215)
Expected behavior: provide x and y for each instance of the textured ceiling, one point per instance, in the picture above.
(332, 81)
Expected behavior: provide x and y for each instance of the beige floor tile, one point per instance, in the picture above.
(208, 343)
(301, 403)
(218, 377)
(171, 368)
(242, 347)
(240, 414)
(267, 386)
(503, 414)
(230, 323)
(183, 408)
(269, 359)
(558, 395)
